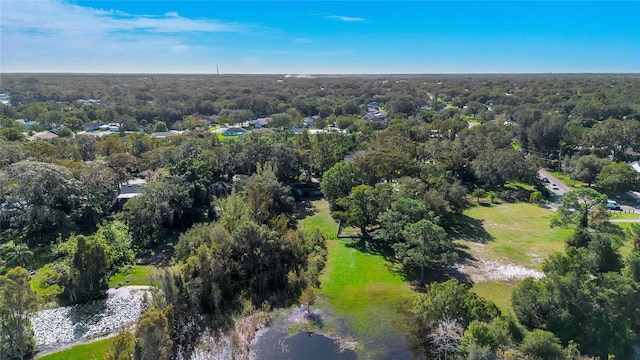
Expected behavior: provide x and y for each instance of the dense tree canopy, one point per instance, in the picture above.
(406, 154)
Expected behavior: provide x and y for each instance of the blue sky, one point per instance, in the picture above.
(319, 37)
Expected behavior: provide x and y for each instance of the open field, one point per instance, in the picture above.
(510, 233)
(90, 351)
(136, 275)
(361, 287)
(369, 292)
(512, 238)
(319, 217)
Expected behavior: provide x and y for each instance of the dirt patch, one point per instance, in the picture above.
(484, 270)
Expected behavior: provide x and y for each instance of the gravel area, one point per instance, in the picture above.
(70, 325)
(483, 270)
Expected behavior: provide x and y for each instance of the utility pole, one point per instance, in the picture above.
(560, 160)
(217, 71)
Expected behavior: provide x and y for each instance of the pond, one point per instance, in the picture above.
(277, 344)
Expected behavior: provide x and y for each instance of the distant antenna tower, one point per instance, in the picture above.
(217, 71)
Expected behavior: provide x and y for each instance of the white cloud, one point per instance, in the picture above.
(52, 35)
(345, 18)
(57, 16)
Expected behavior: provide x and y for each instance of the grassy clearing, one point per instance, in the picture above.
(498, 292)
(360, 287)
(514, 233)
(93, 350)
(615, 215)
(368, 292)
(510, 234)
(136, 275)
(320, 218)
(47, 293)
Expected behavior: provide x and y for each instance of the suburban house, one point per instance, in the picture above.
(28, 123)
(92, 127)
(263, 131)
(234, 131)
(113, 127)
(259, 123)
(7, 211)
(310, 121)
(45, 135)
(4, 99)
(127, 190)
(306, 190)
(165, 134)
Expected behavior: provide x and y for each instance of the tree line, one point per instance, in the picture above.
(402, 187)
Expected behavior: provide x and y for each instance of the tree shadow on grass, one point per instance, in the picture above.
(303, 209)
(468, 228)
(369, 245)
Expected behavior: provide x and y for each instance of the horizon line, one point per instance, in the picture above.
(312, 74)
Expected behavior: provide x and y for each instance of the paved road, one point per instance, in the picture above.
(562, 188)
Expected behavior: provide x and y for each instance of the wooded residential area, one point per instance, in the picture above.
(236, 193)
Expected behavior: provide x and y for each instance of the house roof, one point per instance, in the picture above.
(44, 135)
(131, 188)
(263, 131)
(635, 166)
(164, 134)
(234, 130)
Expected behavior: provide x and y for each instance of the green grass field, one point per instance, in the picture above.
(47, 293)
(363, 288)
(320, 219)
(368, 292)
(517, 233)
(499, 292)
(90, 351)
(510, 234)
(137, 275)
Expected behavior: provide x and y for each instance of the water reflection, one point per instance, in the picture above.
(279, 345)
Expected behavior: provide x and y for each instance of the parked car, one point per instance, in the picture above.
(612, 205)
(555, 187)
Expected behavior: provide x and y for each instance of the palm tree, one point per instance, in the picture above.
(19, 255)
(479, 193)
(536, 196)
(493, 195)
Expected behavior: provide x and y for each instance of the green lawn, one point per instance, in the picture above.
(498, 292)
(360, 287)
(517, 233)
(320, 219)
(368, 291)
(622, 215)
(136, 275)
(91, 351)
(510, 234)
(48, 293)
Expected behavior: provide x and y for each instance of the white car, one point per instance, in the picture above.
(554, 187)
(612, 205)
